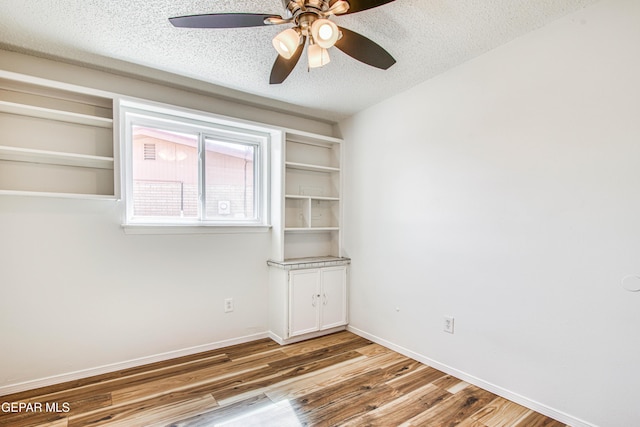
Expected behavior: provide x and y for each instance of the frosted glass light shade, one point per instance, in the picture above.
(339, 7)
(286, 43)
(318, 56)
(325, 33)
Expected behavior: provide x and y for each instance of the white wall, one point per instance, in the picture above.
(78, 293)
(506, 193)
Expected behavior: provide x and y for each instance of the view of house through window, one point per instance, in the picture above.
(183, 167)
(165, 185)
(229, 179)
(183, 175)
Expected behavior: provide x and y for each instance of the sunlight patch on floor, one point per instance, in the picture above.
(280, 414)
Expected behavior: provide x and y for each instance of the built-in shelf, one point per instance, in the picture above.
(309, 212)
(310, 167)
(310, 262)
(52, 114)
(29, 155)
(310, 206)
(296, 196)
(302, 137)
(56, 140)
(308, 229)
(307, 247)
(57, 195)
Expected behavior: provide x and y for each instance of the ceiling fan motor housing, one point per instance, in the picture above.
(304, 13)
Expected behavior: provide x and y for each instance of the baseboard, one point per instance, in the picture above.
(514, 397)
(85, 373)
(298, 338)
(71, 376)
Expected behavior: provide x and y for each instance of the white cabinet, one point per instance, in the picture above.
(317, 299)
(307, 298)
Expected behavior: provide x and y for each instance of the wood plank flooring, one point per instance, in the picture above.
(336, 380)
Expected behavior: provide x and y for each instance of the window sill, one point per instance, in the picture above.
(194, 229)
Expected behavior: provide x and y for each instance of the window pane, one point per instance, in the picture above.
(165, 173)
(229, 180)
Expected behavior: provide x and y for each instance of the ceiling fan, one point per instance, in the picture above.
(310, 19)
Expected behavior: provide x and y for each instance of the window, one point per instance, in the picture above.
(186, 168)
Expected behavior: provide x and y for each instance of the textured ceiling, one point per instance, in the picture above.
(426, 37)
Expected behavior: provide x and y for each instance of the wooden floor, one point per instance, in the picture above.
(340, 379)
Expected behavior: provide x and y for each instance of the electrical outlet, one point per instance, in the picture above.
(448, 324)
(228, 305)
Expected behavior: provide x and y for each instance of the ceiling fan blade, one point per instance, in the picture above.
(222, 20)
(364, 50)
(283, 67)
(360, 5)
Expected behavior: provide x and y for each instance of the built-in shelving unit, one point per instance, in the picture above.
(55, 139)
(311, 201)
(308, 278)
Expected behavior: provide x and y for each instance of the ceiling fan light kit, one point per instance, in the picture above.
(311, 22)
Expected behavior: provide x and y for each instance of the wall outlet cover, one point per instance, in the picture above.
(448, 324)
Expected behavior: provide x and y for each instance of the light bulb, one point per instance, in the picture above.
(325, 33)
(286, 43)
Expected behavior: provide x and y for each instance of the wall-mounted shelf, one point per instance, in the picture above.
(57, 195)
(51, 114)
(54, 158)
(55, 140)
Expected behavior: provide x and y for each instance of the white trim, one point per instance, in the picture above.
(276, 338)
(146, 106)
(194, 229)
(507, 394)
(298, 338)
(99, 370)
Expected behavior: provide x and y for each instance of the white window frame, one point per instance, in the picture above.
(133, 112)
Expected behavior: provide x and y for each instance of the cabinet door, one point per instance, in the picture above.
(334, 297)
(304, 301)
